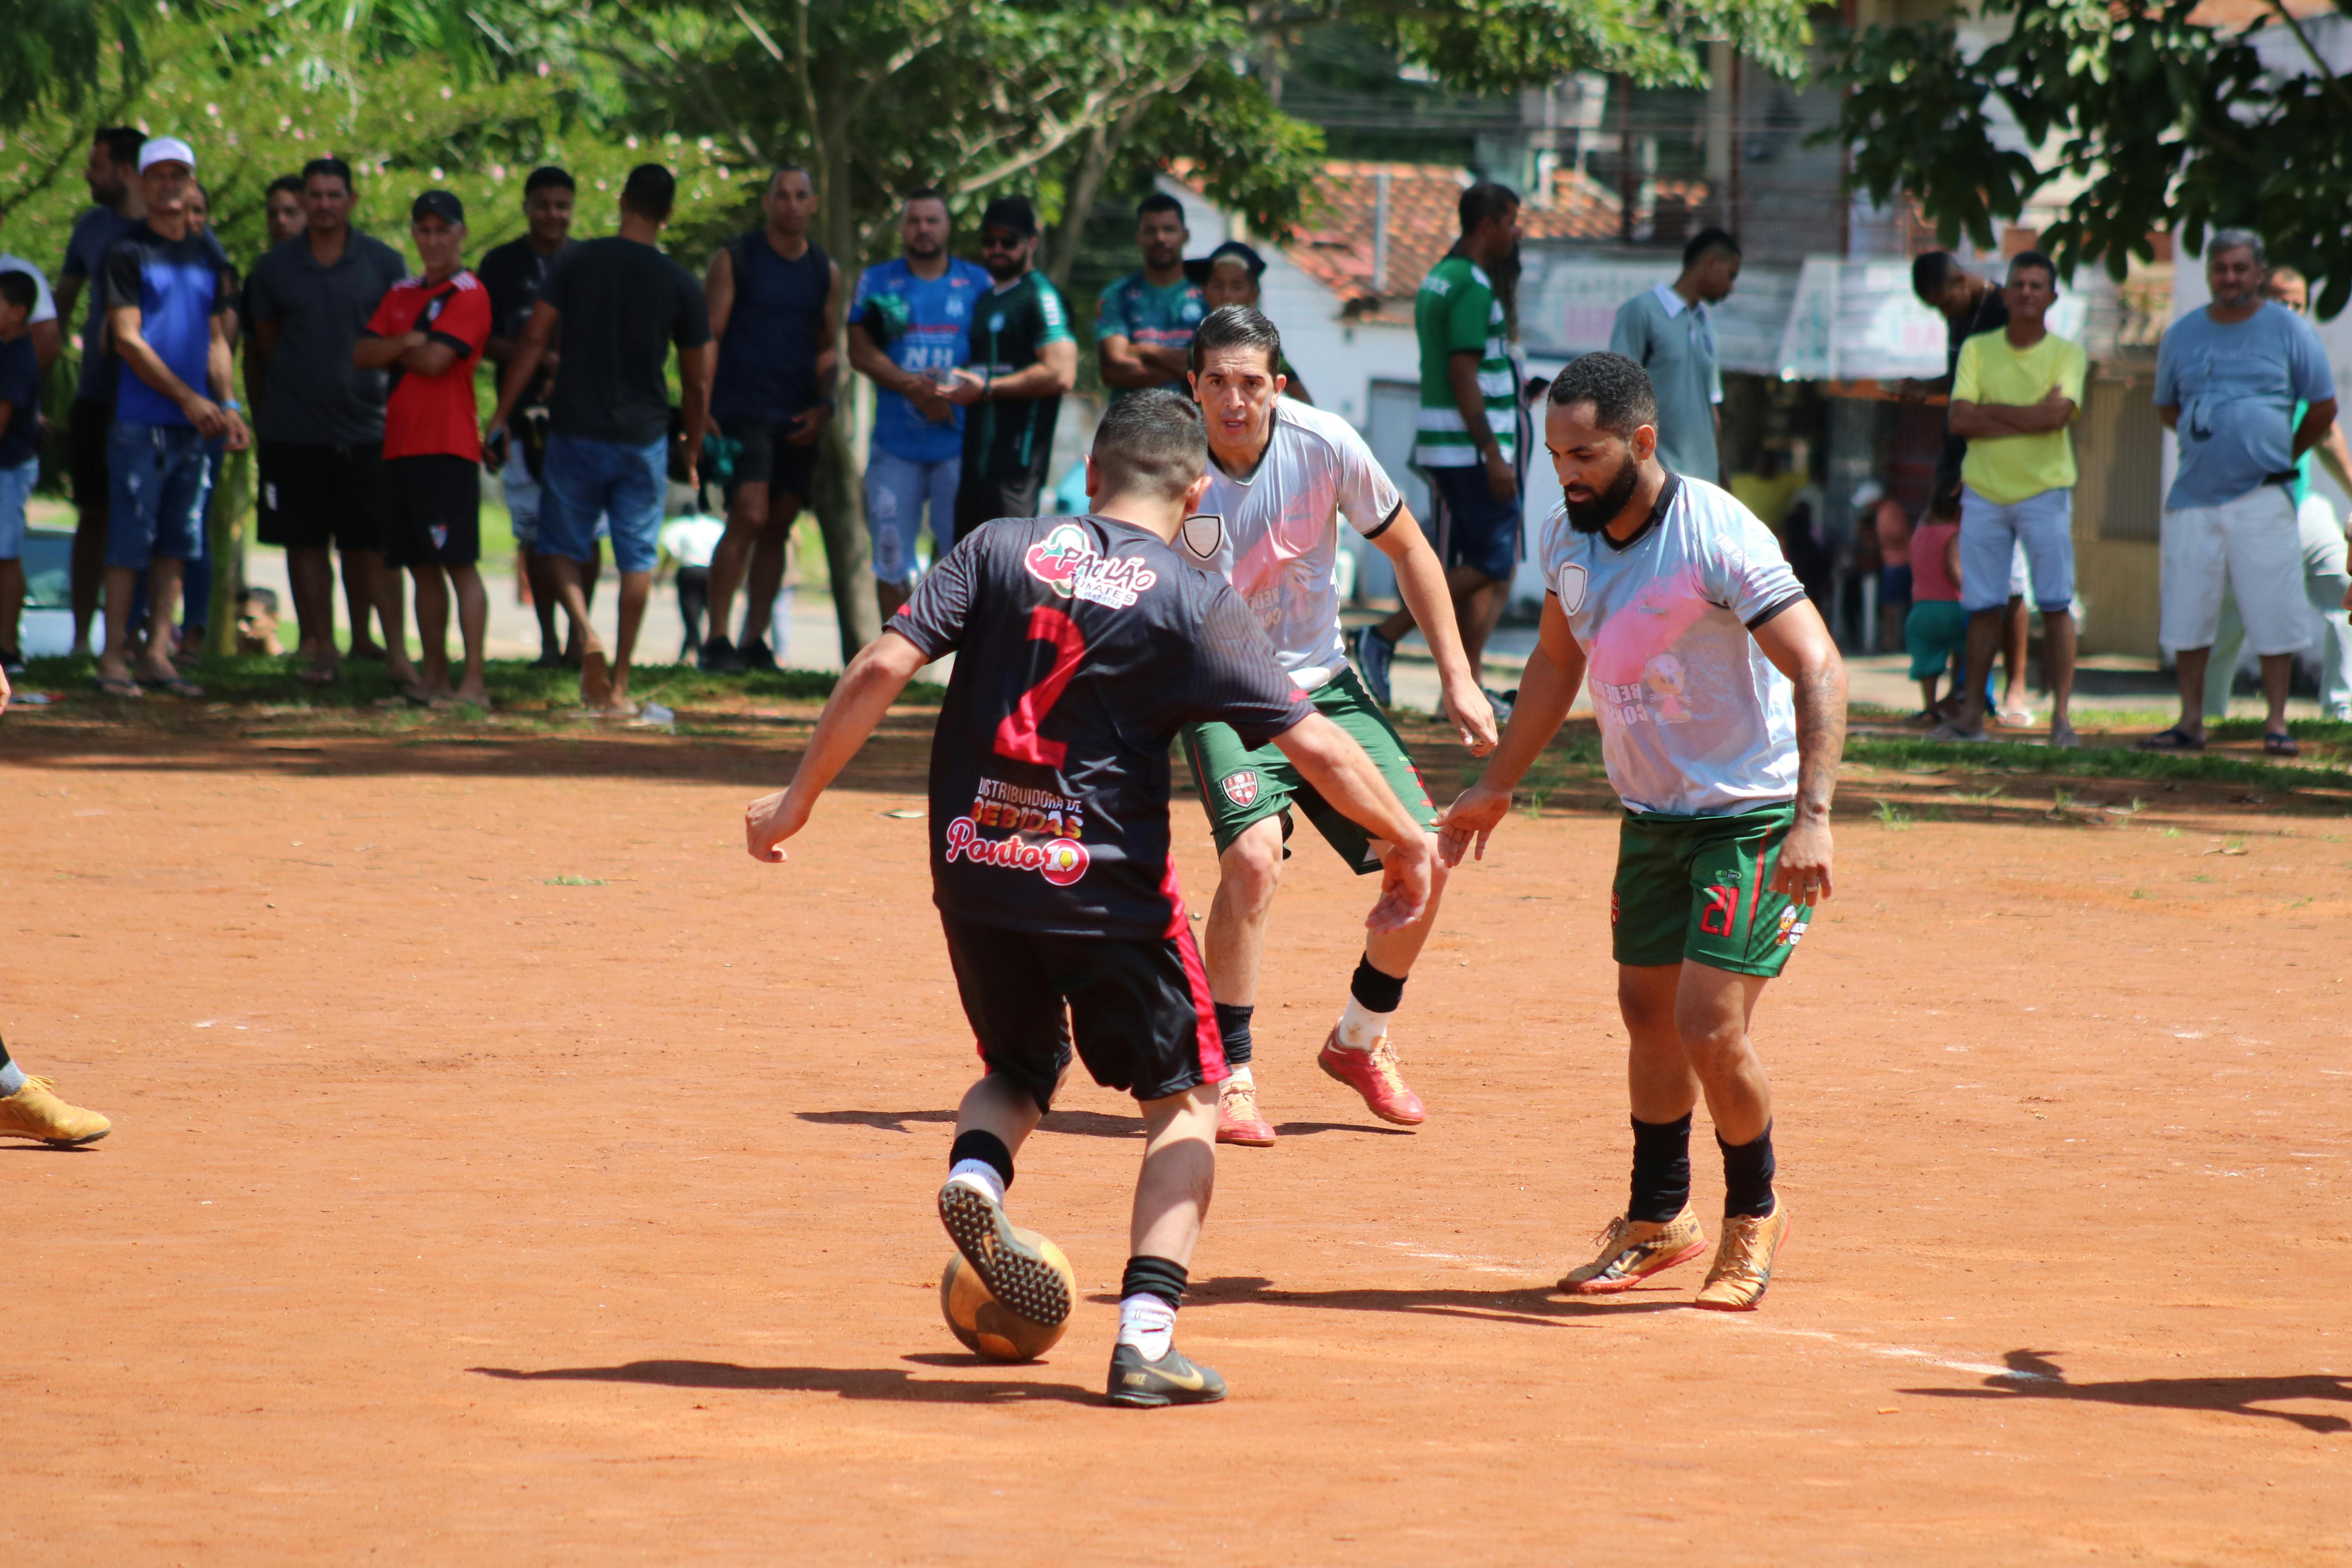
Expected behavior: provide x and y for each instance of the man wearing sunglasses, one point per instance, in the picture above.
(1022, 357)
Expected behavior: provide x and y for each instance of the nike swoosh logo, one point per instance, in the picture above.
(1190, 1382)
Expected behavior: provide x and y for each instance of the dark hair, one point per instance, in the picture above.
(1158, 202)
(1618, 388)
(800, 169)
(1931, 271)
(1705, 241)
(18, 289)
(335, 166)
(1150, 443)
(122, 141)
(650, 192)
(290, 184)
(925, 193)
(2035, 259)
(1482, 201)
(549, 174)
(1237, 327)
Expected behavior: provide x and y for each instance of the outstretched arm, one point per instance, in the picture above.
(868, 688)
(1799, 648)
(1330, 760)
(1546, 692)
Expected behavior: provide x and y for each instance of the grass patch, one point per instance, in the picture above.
(577, 883)
(1891, 817)
(2092, 762)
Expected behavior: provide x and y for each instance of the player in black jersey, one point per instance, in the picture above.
(1083, 646)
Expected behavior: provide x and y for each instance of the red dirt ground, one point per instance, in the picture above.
(593, 1223)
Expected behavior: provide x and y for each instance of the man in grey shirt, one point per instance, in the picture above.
(1668, 332)
(322, 424)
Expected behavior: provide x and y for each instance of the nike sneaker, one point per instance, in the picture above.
(1015, 1273)
(1634, 1249)
(34, 1112)
(1743, 1263)
(1374, 1074)
(1143, 1385)
(1238, 1120)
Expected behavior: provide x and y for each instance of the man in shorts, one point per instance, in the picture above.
(322, 435)
(1143, 328)
(909, 327)
(1083, 645)
(1022, 359)
(429, 332)
(1721, 701)
(2229, 379)
(608, 425)
(516, 273)
(1282, 475)
(775, 315)
(2014, 393)
(1469, 430)
(112, 176)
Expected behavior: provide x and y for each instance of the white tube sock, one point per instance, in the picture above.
(981, 1174)
(1360, 1029)
(1149, 1323)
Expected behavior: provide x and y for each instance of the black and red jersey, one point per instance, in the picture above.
(1083, 646)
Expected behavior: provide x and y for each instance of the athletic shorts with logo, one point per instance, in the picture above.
(1137, 1010)
(1240, 786)
(436, 503)
(1699, 889)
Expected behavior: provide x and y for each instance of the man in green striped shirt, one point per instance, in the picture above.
(1468, 442)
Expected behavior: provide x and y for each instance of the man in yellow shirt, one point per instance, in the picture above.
(2013, 394)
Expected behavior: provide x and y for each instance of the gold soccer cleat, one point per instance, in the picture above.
(35, 1112)
(1634, 1249)
(1743, 1264)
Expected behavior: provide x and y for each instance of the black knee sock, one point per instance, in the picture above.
(1233, 1024)
(985, 1147)
(1378, 992)
(1154, 1276)
(1748, 1176)
(1661, 1170)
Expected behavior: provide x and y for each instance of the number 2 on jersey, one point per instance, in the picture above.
(1017, 736)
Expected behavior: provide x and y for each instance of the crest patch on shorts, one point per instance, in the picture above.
(1241, 788)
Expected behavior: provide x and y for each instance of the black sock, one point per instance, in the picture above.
(1661, 1170)
(1378, 992)
(1748, 1176)
(1154, 1276)
(1233, 1024)
(985, 1147)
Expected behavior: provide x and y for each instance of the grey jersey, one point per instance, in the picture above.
(1695, 721)
(1281, 532)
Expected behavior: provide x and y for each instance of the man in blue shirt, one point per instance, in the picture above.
(170, 300)
(909, 327)
(2227, 378)
(1143, 329)
(112, 176)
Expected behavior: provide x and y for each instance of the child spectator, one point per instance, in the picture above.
(1881, 514)
(1937, 630)
(20, 449)
(256, 621)
(692, 541)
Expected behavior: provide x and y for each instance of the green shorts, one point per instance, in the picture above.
(1699, 887)
(1240, 786)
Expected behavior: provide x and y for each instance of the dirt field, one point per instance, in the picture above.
(570, 1175)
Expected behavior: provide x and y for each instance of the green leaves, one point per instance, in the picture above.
(2146, 117)
(53, 53)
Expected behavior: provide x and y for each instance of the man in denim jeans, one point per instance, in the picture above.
(608, 420)
(170, 300)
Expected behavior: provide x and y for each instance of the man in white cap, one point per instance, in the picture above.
(170, 303)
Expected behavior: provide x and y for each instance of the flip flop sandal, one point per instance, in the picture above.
(2173, 740)
(178, 686)
(1953, 734)
(2280, 746)
(106, 685)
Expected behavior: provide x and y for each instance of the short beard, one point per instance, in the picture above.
(1598, 513)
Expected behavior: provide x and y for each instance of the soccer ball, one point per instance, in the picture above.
(986, 1326)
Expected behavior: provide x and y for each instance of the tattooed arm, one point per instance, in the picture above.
(1799, 648)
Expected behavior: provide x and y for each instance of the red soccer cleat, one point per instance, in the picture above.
(1373, 1074)
(1238, 1120)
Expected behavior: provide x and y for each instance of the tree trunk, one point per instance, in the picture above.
(225, 526)
(840, 497)
(1102, 144)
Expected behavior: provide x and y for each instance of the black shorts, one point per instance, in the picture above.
(984, 498)
(86, 457)
(1138, 1010)
(768, 459)
(437, 511)
(314, 495)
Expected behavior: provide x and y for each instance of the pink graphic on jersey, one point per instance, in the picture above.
(1633, 675)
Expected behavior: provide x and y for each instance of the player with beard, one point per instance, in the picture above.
(1721, 701)
(1281, 476)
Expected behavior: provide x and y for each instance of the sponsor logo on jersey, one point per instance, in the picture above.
(1241, 788)
(1060, 861)
(1065, 562)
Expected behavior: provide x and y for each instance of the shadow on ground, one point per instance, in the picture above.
(1536, 1305)
(847, 1381)
(2224, 1395)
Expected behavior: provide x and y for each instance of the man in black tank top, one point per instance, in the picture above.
(775, 312)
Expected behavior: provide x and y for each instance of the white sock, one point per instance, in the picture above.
(12, 1078)
(1149, 1323)
(981, 1174)
(1241, 1078)
(1360, 1029)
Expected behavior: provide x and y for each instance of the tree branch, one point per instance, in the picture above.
(2319, 65)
